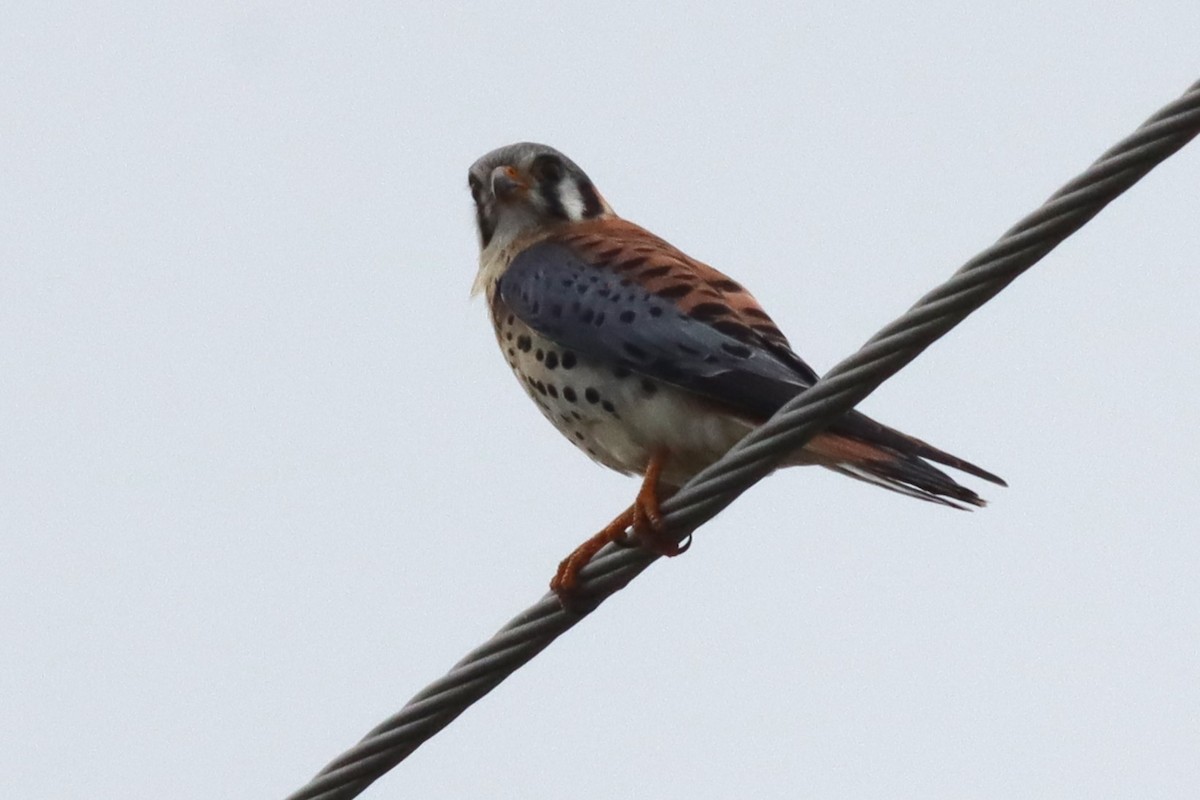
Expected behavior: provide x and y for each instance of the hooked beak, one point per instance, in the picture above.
(506, 182)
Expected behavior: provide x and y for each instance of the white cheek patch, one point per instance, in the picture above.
(571, 199)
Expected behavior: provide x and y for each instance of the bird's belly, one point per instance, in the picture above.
(618, 417)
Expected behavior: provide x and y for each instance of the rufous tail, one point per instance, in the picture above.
(864, 449)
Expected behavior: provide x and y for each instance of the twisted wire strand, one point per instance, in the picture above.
(843, 387)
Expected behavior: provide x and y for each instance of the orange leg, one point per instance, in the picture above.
(644, 516)
(647, 515)
(567, 577)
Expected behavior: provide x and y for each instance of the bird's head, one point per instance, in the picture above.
(525, 186)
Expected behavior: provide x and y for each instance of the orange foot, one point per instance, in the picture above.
(644, 516)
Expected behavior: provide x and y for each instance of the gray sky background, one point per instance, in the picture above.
(263, 473)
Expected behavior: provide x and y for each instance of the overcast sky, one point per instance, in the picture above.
(264, 474)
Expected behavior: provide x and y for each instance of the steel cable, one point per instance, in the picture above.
(757, 455)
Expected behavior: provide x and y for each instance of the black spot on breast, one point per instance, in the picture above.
(509, 321)
(569, 394)
(655, 311)
(609, 407)
(541, 387)
(553, 390)
(538, 354)
(587, 316)
(568, 360)
(628, 316)
(512, 352)
(649, 386)
(579, 436)
(508, 337)
(592, 395)
(524, 343)
(551, 360)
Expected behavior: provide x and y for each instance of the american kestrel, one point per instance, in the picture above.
(648, 360)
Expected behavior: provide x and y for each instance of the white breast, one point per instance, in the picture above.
(616, 416)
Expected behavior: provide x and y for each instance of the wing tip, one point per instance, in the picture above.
(971, 469)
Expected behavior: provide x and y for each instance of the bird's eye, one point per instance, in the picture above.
(548, 169)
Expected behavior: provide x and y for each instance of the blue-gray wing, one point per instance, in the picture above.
(586, 307)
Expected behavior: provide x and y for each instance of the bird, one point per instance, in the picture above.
(650, 361)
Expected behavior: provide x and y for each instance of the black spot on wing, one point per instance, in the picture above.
(632, 262)
(727, 285)
(734, 329)
(708, 311)
(674, 292)
(654, 272)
